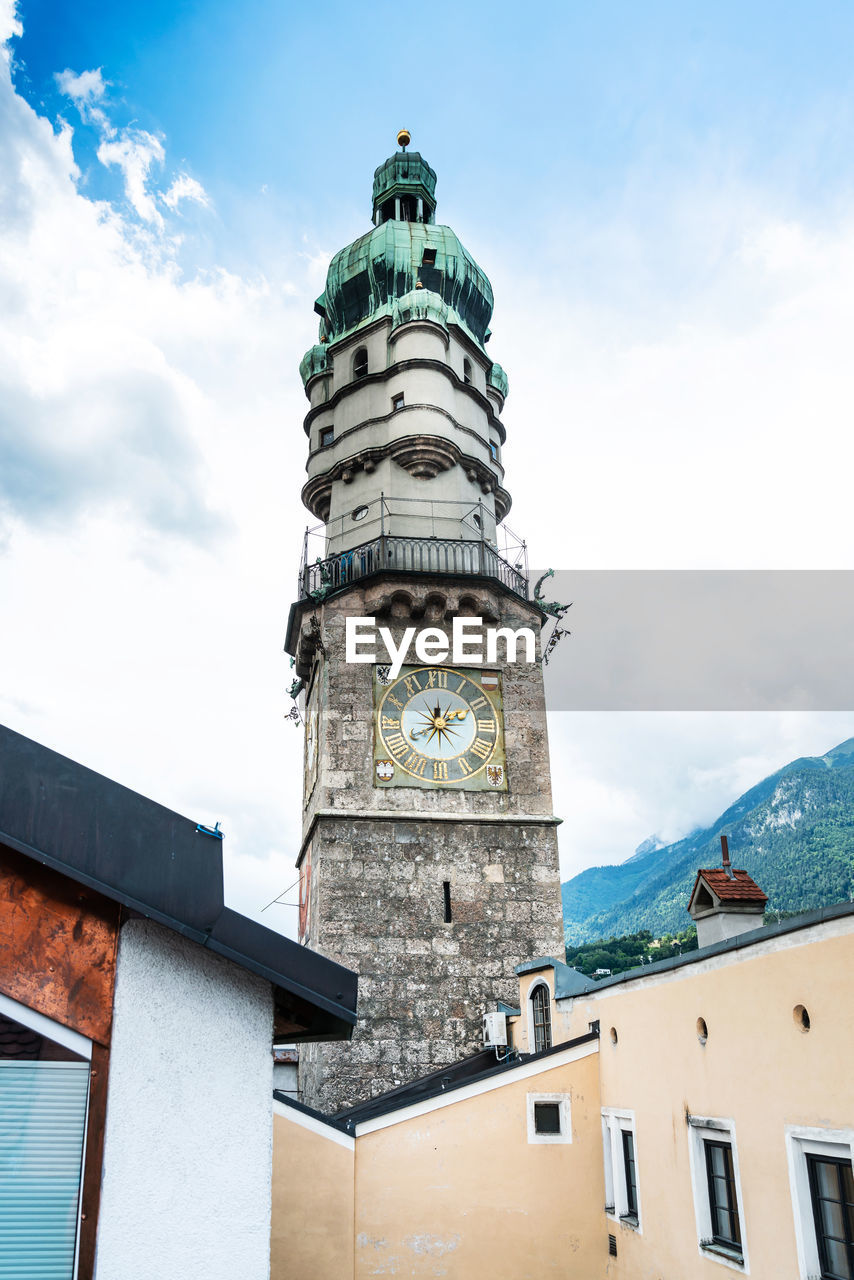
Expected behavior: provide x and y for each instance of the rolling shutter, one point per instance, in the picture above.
(42, 1124)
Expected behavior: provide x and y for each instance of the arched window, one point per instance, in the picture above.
(541, 1017)
(467, 371)
(360, 363)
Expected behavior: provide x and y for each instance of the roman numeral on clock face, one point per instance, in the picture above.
(481, 748)
(415, 764)
(440, 771)
(437, 679)
(397, 744)
(388, 723)
(478, 703)
(486, 726)
(465, 767)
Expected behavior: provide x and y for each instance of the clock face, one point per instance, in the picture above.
(439, 727)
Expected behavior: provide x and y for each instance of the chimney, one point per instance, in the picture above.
(724, 905)
(727, 866)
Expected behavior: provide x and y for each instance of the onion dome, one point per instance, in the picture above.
(366, 279)
(405, 178)
(312, 363)
(498, 378)
(420, 304)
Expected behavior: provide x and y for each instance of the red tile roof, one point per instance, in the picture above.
(743, 888)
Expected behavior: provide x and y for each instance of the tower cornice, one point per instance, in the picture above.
(402, 366)
(423, 456)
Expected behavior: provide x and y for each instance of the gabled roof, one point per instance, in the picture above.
(568, 981)
(158, 864)
(741, 888)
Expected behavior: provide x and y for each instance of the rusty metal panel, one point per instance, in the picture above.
(57, 946)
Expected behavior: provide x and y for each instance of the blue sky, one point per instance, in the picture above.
(662, 197)
(528, 114)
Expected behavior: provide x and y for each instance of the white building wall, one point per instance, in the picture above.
(188, 1145)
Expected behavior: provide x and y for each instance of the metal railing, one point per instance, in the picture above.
(410, 555)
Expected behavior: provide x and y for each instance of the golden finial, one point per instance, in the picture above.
(404, 138)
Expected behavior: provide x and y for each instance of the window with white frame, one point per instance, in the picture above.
(622, 1199)
(821, 1174)
(717, 1190)
(549, 1118)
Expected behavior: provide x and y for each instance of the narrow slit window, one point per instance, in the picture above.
(446, 895)
(467, 372)
(360, 363)
(397, 402)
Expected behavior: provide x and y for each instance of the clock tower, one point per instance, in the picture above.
(429, 854)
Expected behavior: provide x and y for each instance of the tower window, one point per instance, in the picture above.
(429, 258)
(446, 892)
(397, 402)
(541, 1017)
(327, 435)
(360, 363)
(467, 372)
(493, 451)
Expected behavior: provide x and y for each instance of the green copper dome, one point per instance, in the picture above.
(498, 379)
(366, 279)
(408, 177)
(419, 304)
(312, 363)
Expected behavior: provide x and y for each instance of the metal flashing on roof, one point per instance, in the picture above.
(445, 1080)
(749, 938)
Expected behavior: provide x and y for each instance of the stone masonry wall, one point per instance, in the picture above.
(379, 858)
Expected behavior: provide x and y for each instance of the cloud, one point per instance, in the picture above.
(83, 89)
(185, 188)
(10, 26)
(135, 152)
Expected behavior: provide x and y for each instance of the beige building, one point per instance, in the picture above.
(688, 1119)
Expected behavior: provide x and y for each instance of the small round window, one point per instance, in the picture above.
(360, 513)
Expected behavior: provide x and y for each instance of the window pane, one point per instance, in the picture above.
(837, 1261)
(547, 1117)
(542, 1019)
(629, 1166)
(723, 1206)
(831, 1184)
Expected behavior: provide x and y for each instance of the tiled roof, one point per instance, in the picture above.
(742, 888)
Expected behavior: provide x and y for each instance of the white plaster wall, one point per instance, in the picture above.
(726, 924)
(188, 1147)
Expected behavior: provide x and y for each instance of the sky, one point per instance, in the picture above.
(663, 198)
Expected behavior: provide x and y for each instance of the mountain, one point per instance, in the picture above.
(793, 832)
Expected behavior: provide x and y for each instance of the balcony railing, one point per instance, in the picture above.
(451, 556)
